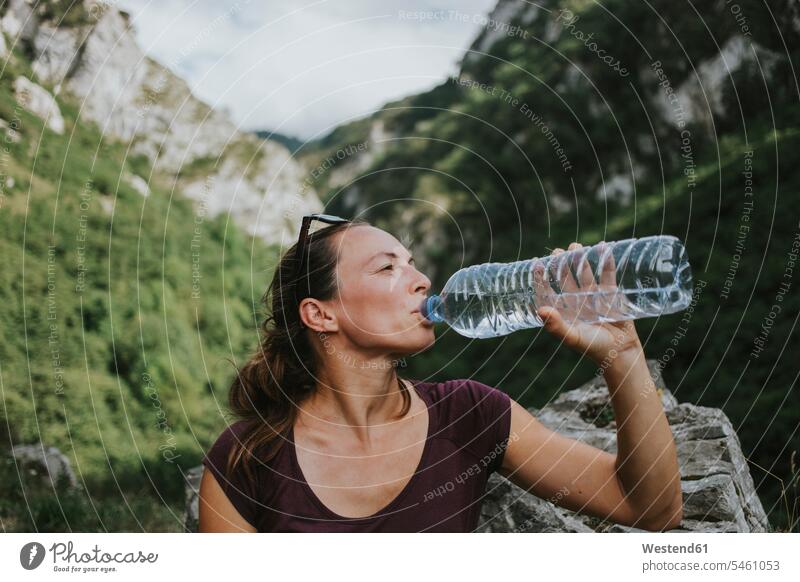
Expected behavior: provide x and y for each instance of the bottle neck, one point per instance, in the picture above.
(432, 309)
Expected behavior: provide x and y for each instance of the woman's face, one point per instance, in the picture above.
(380, 292)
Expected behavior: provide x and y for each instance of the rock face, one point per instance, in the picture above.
(96, 60)
(40, 102)
(700, 97)
(498, 25)
(47, 463)
(718, 491)
(191, 517)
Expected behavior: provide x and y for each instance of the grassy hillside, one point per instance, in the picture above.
(118, 314)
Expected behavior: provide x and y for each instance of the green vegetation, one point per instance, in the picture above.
(120, 317)
(488, 144)
(67, 13)
(290, 142)
(119, 314)
(27, 504)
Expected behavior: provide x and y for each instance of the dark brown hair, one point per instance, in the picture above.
(282, 372)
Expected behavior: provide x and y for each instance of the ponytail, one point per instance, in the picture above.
(281, 374)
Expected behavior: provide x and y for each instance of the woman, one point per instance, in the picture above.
(332, 439)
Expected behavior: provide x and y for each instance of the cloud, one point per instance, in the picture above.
(303, 67)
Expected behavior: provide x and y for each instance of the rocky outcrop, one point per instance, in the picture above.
(499, 23)
(347, 169)
(40, 102)
(718, 491)
(261, 186)
(191, 516)
(97, 61)
(46, 463)
(138, 183)
(17, 19)
(700, 98)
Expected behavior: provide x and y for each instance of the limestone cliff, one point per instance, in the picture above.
(89, 53)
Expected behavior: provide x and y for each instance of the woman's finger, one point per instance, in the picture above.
(584, 303)
(607, 267)
(550, 317)
(541, 288)
(555, 324)
(581, 269)
(568, 277)
(558, 273)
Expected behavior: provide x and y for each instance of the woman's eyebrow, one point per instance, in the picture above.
(382, 254)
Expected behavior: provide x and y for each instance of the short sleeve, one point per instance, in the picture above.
(235, 486)
(487, 419)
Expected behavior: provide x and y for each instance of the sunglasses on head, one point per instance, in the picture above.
(302, 242)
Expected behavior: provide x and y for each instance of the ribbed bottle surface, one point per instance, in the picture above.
(612, 281)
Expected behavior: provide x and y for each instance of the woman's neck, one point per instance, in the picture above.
(354, 398)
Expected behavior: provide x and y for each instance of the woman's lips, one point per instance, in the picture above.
(425, 320)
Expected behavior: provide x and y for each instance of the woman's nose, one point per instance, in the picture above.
(421, 283)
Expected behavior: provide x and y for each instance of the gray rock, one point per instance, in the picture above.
(498, 24)
(718, 491)
(700, 96)
(40, 102)
(507, 508)
(19, 20)
(191, 517)
(139, 184)
(254, 198)
(139, 101)
(49, 463)
(57, 50)
(107, 204)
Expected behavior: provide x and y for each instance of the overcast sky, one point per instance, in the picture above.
(301, 67)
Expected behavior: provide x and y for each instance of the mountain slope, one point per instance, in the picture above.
(88, 51)
(564, 125)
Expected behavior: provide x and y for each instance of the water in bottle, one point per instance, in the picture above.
(609, 281)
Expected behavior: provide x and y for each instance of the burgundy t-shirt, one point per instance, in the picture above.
(468, 432)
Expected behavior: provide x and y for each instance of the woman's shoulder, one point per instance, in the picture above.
(236, 428)
(231, 434)
(475, 416)
(224, 440)
(466, 400)
(236, 434)
(241, 491)
(461, 391)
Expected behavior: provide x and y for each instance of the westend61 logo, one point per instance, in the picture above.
(65, 559)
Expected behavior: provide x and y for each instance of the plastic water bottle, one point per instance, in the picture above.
(609, 281)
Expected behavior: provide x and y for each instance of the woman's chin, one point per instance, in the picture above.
(421, 341)
(429, 338)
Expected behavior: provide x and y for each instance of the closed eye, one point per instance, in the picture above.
(389, 267)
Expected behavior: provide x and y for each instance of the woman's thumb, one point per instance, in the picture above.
(552, 320)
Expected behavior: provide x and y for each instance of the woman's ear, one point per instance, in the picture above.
(317, 316)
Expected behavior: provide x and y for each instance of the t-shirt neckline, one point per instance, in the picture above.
(300, 478)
